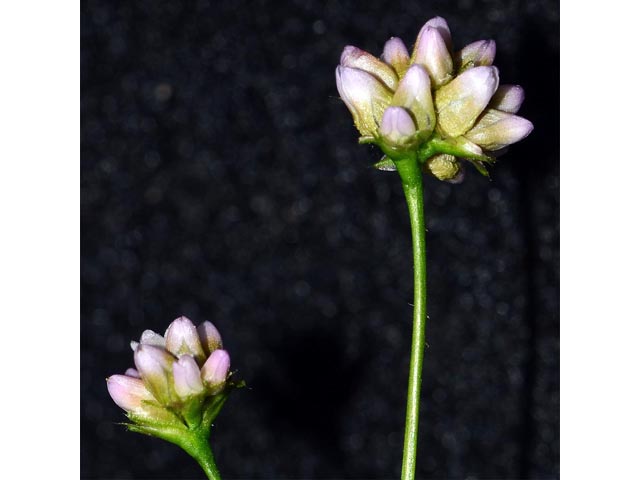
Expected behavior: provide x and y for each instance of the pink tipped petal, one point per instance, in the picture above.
(397, 126)
(186, 377)
(216, 369)
(476, 54)
(496, 130)
(132, 372)
(154, 365)
(356, 58)
(365, 97)
(396, 54)
(414, 94)
(182, 338)
(461, 101)
(441, 25)
(149, 337)
(431, 51)
(127, 392)
(209, 337)
(508, 98)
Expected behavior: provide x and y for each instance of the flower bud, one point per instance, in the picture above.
(365, 97)
(441, 25)
(431, 51)
(182, 338)
(476, 54)
(507, 98)
(355, 58)
(461, 101)
(216, 369)
(155, 366)
(149, 337)
(443, 166)
(127, 392)
(414, 94)
(396, 54)
(496, 129)
(186, 377)
(209, 337)
(132, 372)
(397, 126)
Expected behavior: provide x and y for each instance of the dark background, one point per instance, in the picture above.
(222, 180)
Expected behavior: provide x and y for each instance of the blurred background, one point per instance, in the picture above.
(222, 180)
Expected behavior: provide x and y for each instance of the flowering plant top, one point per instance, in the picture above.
(435, 105)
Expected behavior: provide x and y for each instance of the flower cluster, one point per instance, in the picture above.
(436, 105)
(180, 380)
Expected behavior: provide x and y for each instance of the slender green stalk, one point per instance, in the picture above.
(197, 445)
(411, 176)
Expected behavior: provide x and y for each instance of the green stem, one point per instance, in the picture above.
(411, 176)
(197, 445)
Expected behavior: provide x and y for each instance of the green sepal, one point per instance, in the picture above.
(480, 167)
(385, 164)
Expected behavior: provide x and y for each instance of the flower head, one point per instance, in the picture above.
(436, 105)
(180, 378)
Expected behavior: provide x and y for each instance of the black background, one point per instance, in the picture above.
(222, 180)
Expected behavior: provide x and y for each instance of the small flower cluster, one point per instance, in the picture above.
(437, 105)
(180, 379)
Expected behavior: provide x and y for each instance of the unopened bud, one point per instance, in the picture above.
(209, 337)
(508, 98)
(414, 94)
(216, 369)
(396, 54)
(397, 126)
(476, 54)
(356, 58)
(128, 392)
(431, 51)
(155, 366)
(182, 339)
(186, 377)
(496, 130)
(365, 97)
(443, 166)
(460, 102)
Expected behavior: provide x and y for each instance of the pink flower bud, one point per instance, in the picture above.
(132, 372)
(396, 54)
(155, 366)
(186, 377)
(397, 126)
(355, 58)
(431, 51)
(441, 25)
(216, 369)
(365, 97)
(182, 338)
(209, 337)
(127, 392)
(508, 98)
(496, 129)
(476, 54)
(414, 94)
(461, 101)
